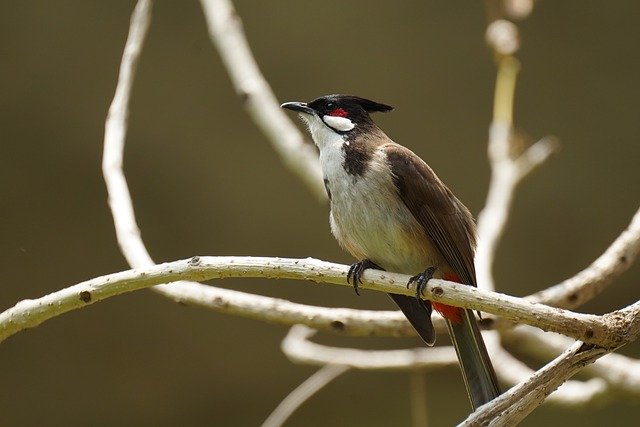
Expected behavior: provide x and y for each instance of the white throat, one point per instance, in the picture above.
(323, 136)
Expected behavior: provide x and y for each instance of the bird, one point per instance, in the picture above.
(391, 212)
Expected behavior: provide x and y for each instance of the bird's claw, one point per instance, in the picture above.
(421, 281)
(354, 275)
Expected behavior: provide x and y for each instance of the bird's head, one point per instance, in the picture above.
(340, 114)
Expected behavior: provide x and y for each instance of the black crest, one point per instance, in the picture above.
(367, 105)
(350, 106)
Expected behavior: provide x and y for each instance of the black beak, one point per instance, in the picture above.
(298, 106)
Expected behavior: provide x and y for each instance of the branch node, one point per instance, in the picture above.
(85, 296)
(337, 325)
(244, 96)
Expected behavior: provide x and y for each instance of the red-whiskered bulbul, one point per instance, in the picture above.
(391, 212)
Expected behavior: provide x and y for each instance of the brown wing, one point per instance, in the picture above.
(445, 219)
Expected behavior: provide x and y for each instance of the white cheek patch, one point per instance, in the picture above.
(341, 124)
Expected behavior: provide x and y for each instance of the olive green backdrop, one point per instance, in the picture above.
(206, 182)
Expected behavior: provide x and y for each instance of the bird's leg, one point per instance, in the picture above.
(357, 270)
(421, 281)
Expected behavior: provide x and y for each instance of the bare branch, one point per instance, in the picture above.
(298, 348)
(619, 372)
(30, 313)
(512, 371)
(343, 321)
(515, 404)
(127, 230)
(302, 393)
(622, 372)
(591, 281)
(225, 30)
(506, 171)
(610, 330)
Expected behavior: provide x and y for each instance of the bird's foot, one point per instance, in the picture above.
(357, 270)
(421, 281)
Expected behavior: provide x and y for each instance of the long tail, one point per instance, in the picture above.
(477, 370)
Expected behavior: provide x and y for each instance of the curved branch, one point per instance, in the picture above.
(297, 347)
(226, 33)
(610, 330)
(30, 313)
(511, 371)
(343, 321)
(127, 231)
(591, 281)
(572, 393)
(515, 404)
(619, 372)
(302, 393)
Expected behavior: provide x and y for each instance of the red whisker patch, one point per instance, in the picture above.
(338, 112)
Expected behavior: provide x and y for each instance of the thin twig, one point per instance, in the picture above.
(302, 393)
(506, 171)
(127, 231)
(418, 396)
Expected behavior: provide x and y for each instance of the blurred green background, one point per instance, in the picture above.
(206, 182)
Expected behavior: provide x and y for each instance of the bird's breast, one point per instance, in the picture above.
(370, 220)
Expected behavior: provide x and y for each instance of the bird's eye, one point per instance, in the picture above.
(330, 106)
